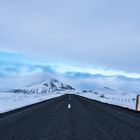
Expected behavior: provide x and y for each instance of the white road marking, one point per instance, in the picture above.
(69, 106)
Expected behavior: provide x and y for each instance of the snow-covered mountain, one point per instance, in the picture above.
(44, 87)
(107, 90)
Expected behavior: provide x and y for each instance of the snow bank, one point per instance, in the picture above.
(11, 101)
(123, 100)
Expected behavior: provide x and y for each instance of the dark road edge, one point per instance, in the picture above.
(28, 107)
(114, 106)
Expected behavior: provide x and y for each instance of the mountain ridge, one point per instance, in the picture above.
(46, 86)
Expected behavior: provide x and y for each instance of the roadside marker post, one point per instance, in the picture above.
(137, 103)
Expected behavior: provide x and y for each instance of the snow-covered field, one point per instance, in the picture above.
(18, 98)
(127, 100)
(35, 93)
(10, 101)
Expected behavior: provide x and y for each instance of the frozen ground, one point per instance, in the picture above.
(123, 100)
(37, 92)
(10, 101)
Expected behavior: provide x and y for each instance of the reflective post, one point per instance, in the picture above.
(137, 103)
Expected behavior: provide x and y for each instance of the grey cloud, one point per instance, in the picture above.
(94, 32)
(25, 74)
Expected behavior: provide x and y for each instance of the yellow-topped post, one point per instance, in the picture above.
(137, 103)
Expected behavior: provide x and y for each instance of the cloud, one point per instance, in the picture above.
(91, 81)
(16, 75)
(94, 32)
(19, 74)
(87, 42)
(95, 70)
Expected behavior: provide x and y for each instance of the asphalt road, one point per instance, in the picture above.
(70, 117)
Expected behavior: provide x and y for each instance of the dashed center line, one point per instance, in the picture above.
(69, 106)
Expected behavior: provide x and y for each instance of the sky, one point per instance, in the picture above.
(89, 37)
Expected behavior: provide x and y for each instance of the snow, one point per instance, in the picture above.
(113, 97)
(44, 87)
(11, 101)
(35, 93)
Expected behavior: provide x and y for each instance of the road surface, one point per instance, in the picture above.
(70, 117)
